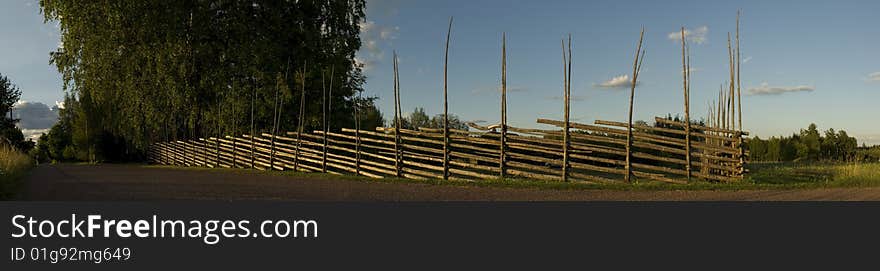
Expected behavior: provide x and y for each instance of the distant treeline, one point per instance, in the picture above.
(419, 119)
(809, 145)
(137, 72)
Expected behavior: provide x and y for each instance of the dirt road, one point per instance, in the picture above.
(133, 182)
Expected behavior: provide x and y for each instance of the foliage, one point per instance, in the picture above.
(10, 134)
(147, 71)
(57, 145)
(868, 154)
(418, 118)
(807, 145)
(370, 116)
(13, 165)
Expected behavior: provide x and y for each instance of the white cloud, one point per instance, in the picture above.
(34, 115)
(389, 33)
(766, 89)
(697, 36)
(621, 82)
(373, 38)
(874, 76)
(34, 134)
(747, 59)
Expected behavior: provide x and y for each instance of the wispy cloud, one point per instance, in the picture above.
(697, 36)
(373, 37)
(766, 89)
(874, 77)
(617, 82)
(747, 59)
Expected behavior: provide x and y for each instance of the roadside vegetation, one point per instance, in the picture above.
(14, 162)
(13, 165)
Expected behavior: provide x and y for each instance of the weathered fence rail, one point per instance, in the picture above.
(596, 153)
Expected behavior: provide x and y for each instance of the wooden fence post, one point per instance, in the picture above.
(685, 64)
(327, 118)
(234, 130)
(324, 122)
(566, 141)
(397, 115)
(302, 104)
(357, 135)
(738, 81)
(739, 92)
(446, 106)
(502, 160)
(219, 132)
(636, 67)
(206, 147)
(253, 128)
(731, 97)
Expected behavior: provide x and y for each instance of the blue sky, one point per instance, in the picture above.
(826, 49)
(25, 43)
(819, 56)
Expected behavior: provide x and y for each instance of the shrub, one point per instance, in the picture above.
(13, 165)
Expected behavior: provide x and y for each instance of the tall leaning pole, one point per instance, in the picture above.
(687, 117)
(502, 166)
(636, 68)
(566, 66)
(446, 106)
(738, 81)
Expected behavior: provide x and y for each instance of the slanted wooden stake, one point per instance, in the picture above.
(739, 91)
(738, 81)
(357, 135)
(276, 116)
(685, 65)
(219, 132)
(253, 128)
(302, 106)
(502, 157)
(720, 108)
(446, 149)
(234, 129)
(566, 136)
(731, 88)
(636, 67)
(330, 111)
(205, 145)
(397, 116)
(274, 125)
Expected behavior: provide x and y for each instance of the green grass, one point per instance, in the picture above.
(13, 166)
(761, 177)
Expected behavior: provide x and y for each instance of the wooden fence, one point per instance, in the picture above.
(596, 153)
(605, 151)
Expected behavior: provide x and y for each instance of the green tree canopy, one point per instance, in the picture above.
(145, 71)
(808, 144)
(9, 133)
